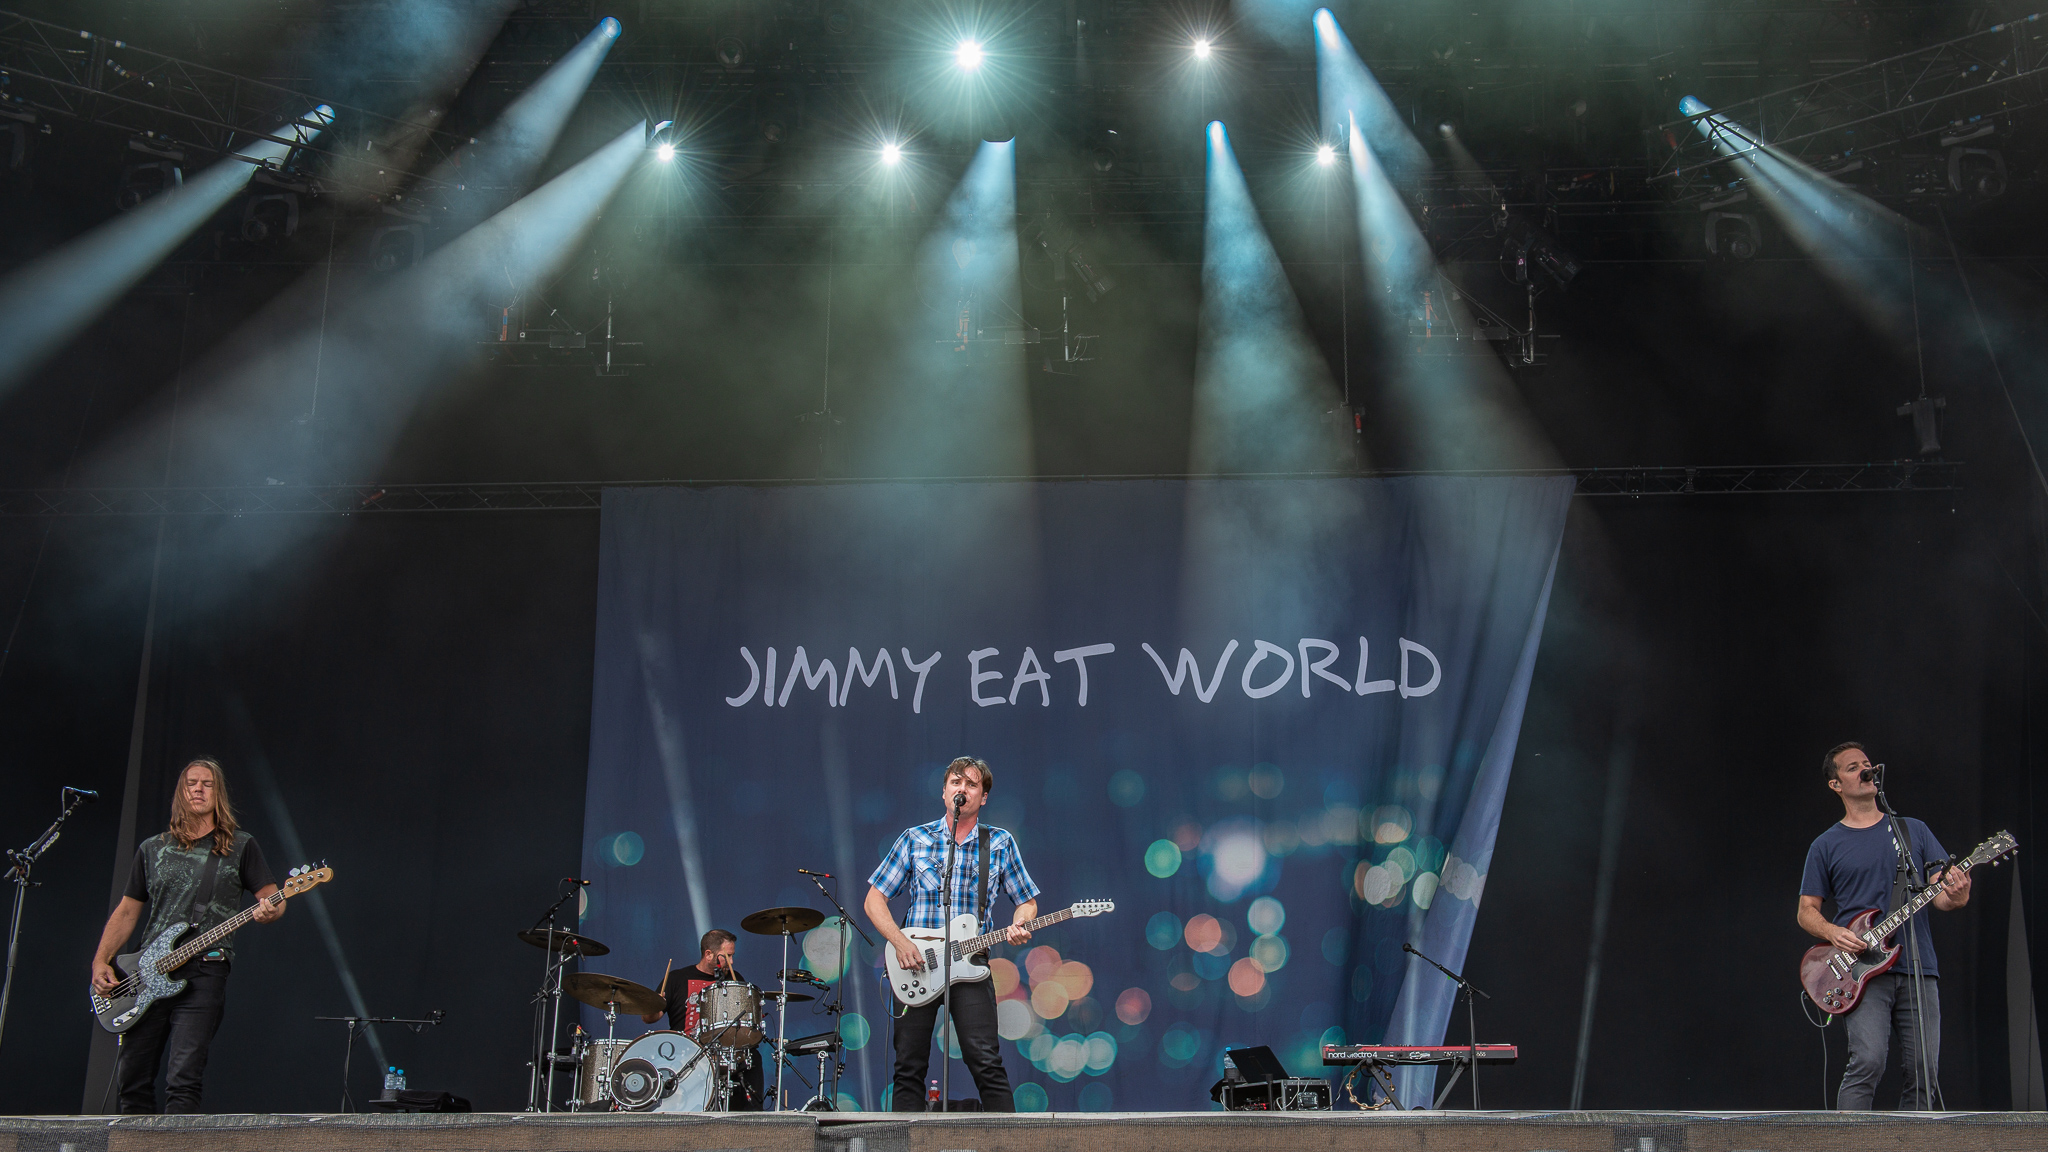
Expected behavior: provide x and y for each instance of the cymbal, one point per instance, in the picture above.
(774, 921)
(792, 997)
(599, 990)
(572, 942)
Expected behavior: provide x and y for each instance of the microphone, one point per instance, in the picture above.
(959, 800)
(87, 793)
(1407, 947)
(808, 872)
(573, 880)
(1871, 772)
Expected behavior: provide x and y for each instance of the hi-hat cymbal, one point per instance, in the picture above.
(560, 941)
(599, 990)
(776, 921)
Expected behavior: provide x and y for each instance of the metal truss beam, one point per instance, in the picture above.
(1950, 89)
(586, 496)
(177, 104)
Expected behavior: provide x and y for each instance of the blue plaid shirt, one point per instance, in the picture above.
(918, 857)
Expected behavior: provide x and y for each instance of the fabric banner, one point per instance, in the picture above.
(1272, 720)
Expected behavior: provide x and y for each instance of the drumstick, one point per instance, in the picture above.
(661, 989)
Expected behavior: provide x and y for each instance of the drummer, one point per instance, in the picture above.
(679, 992)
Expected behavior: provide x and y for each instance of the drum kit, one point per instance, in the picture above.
(699, 1070)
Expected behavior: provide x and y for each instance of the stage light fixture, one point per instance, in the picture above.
(892, 153)
(1326, 155)
(665, 153)
(1977, 172)
(1202, 48)
(270, 215)
(1528, 245)
(968, 55)
(1733, 237)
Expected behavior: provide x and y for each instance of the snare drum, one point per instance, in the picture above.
(662, 1072)
(729, 1015)
(593, 1079)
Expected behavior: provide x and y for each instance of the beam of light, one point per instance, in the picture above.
(1451, 411)
(496, 169)
(381, 352)
(968, 55)
(52, 299)
(295, 851)
(1348, 94)
(1202, 49)
(665, 152)
(952, 390)
(1326, 155)
(1262, 390)
(892, 154)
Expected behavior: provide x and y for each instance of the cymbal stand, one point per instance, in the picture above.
(547, 1012)
(782, 1017)
(837, 1005)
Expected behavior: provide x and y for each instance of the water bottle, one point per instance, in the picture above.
(931, 1095)
(394, 1080)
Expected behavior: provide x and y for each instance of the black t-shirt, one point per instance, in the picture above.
(675, 991)
(166, 875)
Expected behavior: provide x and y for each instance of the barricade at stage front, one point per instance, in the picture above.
(1340, 1131)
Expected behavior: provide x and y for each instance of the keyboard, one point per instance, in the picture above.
(1344, 1054)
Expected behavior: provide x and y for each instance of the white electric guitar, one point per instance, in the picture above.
(923, 985)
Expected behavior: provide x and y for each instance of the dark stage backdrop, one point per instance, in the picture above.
(419, 687)
(1272, 720)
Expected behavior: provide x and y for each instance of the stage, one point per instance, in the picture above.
(1042, 1132)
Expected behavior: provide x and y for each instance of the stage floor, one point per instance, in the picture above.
(1044, 1132)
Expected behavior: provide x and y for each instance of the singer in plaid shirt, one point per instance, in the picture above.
(916, 862)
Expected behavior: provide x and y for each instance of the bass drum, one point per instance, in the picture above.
(662, 1072)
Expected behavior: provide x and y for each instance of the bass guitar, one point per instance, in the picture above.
(145, 975)
(968, 942)
(1834, 979)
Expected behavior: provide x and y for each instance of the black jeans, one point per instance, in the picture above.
(176, 1032)
(974, 1013)
(1887, 1004)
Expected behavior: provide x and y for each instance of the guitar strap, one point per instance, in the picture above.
(981, 896)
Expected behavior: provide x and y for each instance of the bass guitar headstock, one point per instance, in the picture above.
(305, 877)
(1093, 907)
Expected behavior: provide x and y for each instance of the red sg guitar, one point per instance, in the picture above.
(1834, 979)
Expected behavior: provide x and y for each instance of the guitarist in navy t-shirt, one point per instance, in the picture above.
(1854, 864)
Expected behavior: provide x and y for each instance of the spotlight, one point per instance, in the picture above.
(1733, 236)
(665, 153)
(1201, 49)
(274, 214)
(968, 55)
(1527, 244)
(1326, 155)
(1446, 130)
(1977, 172)
(892, 153)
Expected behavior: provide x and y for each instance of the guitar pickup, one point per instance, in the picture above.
(931, 960)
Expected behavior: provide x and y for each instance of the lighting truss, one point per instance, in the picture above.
(1947, 90)
(58, 71)
(588, 496)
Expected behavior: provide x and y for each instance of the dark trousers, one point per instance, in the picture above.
(1887, 1005)
(176, 1033)
(974, 1020)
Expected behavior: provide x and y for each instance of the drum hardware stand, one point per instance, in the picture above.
(360, 1024)
(1471, 1061)
(837, 1005)
(24, 862)
(547, 1012)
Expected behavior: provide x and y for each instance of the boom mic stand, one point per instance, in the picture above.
(24, 862)
(838, 1005)
(1471, 1025)
(358, 1025)
(547, 1012)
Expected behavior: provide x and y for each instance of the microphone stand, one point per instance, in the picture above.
(1471, 1024)
(1902, 843)
(540, 1085)
(24, 862)
(361, 1024)
(838, 1004)
(946, 955)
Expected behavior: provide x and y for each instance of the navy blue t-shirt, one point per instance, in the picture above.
(1854, 867)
